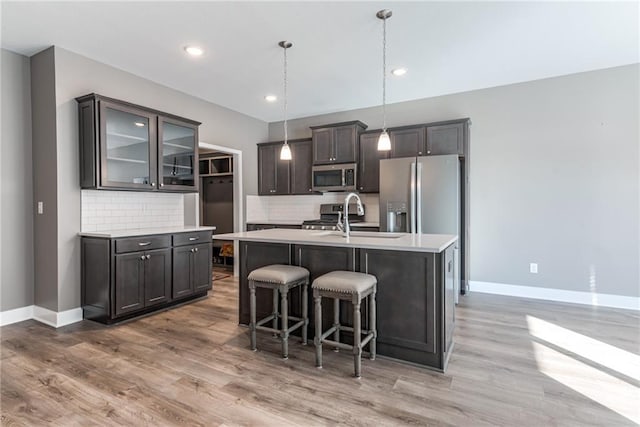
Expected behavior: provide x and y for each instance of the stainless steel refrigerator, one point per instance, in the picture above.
(422, 195)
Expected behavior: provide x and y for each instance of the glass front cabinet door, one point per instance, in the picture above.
(128, 144)
(177, 154)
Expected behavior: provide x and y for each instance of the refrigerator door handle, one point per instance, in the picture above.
(419, 198)
(412, 199)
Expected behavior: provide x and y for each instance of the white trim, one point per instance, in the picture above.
(575, 297)
(57, 319)
(238, 197)
(46, 316)
(69, 316)
(16, 315)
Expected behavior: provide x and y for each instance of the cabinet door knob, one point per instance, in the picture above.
(419, 152)
(191, 250)
(428, 152)
(162, 184)
(148, 256)
(153, 184)
(196, 249)
(142, 257)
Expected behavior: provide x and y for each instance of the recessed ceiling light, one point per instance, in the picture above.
(399, 72)
(139, 124)
(270, 98)
(194, 50)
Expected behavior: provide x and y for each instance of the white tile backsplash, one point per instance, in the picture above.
(300, 208)
(124, 210)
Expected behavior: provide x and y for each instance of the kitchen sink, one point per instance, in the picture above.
(373, 234)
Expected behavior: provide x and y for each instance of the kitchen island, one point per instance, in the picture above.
(415, 297)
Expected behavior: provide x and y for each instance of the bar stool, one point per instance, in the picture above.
(279, 278)
(348, 286)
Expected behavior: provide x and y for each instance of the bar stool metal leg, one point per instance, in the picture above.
(284, 334)
(252, 309)
(305, 313)
(336, 322)
(357, 348)
(274, 312)
(372, 327)
(318, 320)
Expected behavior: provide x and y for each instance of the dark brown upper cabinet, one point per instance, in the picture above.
(129, 147)
(407, 142)
(446, 139)
(336, 143)
(369, 164)
(273, 173)
(300, 167)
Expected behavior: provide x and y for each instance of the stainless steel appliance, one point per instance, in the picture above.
(340, 177)
(329, 214)
(422, 195)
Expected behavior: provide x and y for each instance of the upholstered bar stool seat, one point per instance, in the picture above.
(353, 287)
(280, 279)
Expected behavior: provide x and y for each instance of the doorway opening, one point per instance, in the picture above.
(220, 201)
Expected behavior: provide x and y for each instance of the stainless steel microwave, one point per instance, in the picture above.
(340, 177)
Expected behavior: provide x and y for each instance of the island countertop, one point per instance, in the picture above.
(434, 243)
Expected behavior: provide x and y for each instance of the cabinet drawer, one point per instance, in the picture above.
(143, 243)
(191, 238)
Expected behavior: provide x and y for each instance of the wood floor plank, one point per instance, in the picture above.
(192, 366)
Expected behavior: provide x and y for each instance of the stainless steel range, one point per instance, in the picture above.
(329, 217)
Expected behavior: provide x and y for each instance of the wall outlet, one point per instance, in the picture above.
(40, 208)
(533, 268)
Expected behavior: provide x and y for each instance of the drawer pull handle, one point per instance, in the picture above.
(191, 239)
(144, 243)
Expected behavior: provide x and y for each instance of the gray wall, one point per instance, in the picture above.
(45, 169)
(554, 176)
(77, 75)
(16, 222)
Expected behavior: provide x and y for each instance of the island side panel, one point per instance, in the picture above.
(409, 304)
(320, 260)
(255, 255)
(448, 302)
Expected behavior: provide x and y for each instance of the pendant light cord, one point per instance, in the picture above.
(285, 96)
(384, 74)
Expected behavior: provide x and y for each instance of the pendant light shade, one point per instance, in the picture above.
(384, 143)
(285, 152)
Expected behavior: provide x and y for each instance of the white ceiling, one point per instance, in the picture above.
(335, 63)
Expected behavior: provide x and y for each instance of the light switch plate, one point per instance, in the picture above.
(40, 208)
(533, 268)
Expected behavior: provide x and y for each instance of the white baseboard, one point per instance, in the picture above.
(16, 315)
(42, 315)
(561, 295)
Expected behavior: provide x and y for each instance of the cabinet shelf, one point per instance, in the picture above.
(123, 159)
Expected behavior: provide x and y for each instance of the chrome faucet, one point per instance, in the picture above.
(345, 212)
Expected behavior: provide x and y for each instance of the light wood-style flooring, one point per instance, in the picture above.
(516, 362)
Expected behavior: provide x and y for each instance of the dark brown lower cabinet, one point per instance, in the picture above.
(191, 269)
(143, 279)
(415, 296)
(119, 281)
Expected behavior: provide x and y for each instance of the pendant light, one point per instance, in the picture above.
(384, 143)
(285, 152)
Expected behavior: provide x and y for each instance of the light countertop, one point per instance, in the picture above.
(299, 222)
(278, 222)
(369, 240)
(111, 234)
